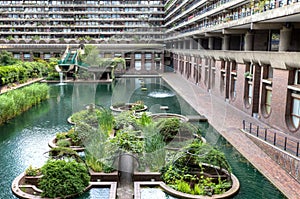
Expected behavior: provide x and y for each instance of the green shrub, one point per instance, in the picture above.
(168, 128)
(63, 143)
(31, 171)
(62, 178)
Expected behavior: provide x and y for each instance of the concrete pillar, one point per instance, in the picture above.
(210, 43)
(225, 42)
(184, 44)
(285, 38)
(199, 44)
(191, 43)
(248, 46)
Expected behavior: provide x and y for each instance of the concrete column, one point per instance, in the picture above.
(191, 43)
(184, 44)
(248, 46)
(225, 42)
(285, 38)
(199, 44)
(211, 43)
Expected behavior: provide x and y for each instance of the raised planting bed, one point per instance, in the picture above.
(22, 188)
(157, 116)
(152, 184)
(128, 107)
(52, 144)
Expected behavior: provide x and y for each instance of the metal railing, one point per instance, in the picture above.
(285, 143)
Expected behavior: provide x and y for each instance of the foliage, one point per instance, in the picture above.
(128, 141)
(100, 153)
(144, 120)
(31, 171)
(139, 105)
(168, 128)
(87, 116)
(6, 58)
(106, 121)
(72, 134)
(84, 132)
(62, 178)
(63, 143)
(186, 172)
(17, 101)
(20, 72)
(125, 120)
(118, 61)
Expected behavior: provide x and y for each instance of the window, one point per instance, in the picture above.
(268, 101)
(233, 79)
(26, 55)
(296, 110)
(249, 100)
(297, 77)
(148, 56)
(148, 65)
(138, 56)
(138, 65)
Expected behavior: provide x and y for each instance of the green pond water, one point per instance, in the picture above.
(24, 140)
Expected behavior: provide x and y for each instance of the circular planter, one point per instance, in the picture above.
(182, 118)
(70, 120)
(18, 185)
(228, 194)
(52, 144)
(126, 107)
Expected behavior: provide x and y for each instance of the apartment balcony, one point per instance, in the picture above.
(259, 20)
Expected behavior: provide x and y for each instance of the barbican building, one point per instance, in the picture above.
(243, 51)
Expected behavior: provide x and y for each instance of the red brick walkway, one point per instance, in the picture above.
(227, 120)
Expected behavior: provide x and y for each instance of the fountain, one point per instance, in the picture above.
(161, 94)
(61, 80)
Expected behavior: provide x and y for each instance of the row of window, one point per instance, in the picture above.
(228, 84)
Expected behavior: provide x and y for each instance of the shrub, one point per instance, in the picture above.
(62, 178)
(31, 171)
(168, 128)
(63, 143)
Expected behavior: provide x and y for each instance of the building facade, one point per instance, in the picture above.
(244, 51)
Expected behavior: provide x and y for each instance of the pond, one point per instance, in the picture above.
(24, 140)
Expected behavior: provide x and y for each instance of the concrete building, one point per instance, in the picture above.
(244, 51)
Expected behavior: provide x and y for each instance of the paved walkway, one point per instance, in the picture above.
(227, 120)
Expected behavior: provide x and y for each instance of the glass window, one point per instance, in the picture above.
(249, 93)
(148, 56)
(268, 101)
(26, 56)
(138, 65)
(137, 56)
(148, 65)
(296, 112)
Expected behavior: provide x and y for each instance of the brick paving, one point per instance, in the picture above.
(227, 120)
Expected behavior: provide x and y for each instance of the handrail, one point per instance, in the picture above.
(278, 140)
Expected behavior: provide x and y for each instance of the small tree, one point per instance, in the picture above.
(6, 58)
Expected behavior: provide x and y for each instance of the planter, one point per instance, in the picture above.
(157, 116)
(126, 107)
(101, 176)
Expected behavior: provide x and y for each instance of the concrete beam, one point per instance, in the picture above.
(266, 26)
(213, 34)
(199, 36)
(234, 31)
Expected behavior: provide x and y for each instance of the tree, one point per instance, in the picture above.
(6, 58)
